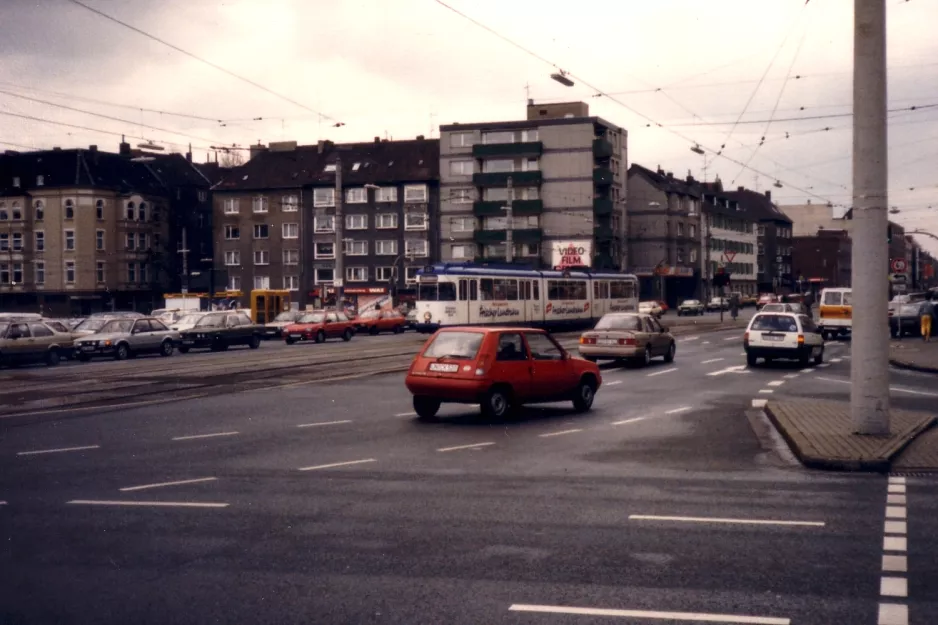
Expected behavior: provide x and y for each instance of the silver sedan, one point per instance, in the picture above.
(125, 338)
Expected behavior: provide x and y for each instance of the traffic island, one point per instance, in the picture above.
(820, 434)
(914, 354)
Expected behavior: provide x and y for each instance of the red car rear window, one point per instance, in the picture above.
(455, 345)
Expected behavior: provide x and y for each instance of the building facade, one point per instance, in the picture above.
(729, 240)
(822, 260)
(564, 173)
(773, 243)
(275, 219)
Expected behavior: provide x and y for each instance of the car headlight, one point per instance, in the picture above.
(107, 343)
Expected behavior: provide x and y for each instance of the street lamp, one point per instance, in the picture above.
(561, 77)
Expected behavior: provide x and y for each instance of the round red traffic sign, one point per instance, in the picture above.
(898, 265)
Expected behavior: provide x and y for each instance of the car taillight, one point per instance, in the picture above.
(627, 342)
(801, 339)
(587, 340)
(746, 337)
(480, 368)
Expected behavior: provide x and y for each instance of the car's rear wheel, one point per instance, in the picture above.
(646, 357)
(122, 352)
(751, 360)
(320, 337)
(255, 342)
(166, 349)
(398, 329)
(585, 394)
(669, 357)
(347, 335)
(52, 358)
(426, 407)
(820, 356)
(497, 403)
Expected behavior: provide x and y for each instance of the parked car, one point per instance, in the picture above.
(126, 338)
(690, 307)
(500, 369)
(906, 320)
(799, 309)
(318, 326)
(23, 342)
(783, 336)
(188, 321)
(718, 303)
(274, 329)
(220, 330)
(377, 321)
(650, 308)
(94, 323)
(629, 336)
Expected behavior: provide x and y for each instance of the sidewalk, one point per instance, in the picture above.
(915, 354)
(820, 434)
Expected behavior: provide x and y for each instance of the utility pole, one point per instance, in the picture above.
(339, 276)
(509, 208)
(869, 373)
(185, 263)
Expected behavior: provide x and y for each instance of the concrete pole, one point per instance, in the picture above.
(509, 225)
(339, 278)
(869, 369)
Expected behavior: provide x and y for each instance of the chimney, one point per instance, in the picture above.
(768, 194)
(256, 149)
(377, 139)
(320, 146)
(530, 101)
(420, 137)
(670, 175)
(124, 149)
(92, 148)
(660, 171)
(740, 189)
(189, 156)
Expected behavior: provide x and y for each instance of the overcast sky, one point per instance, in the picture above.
(400, 68)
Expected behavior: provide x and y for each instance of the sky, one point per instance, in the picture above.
(672, 72)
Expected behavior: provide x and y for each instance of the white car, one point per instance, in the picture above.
(783, 335)
(716, 303)
(650, 308)
(188, 321)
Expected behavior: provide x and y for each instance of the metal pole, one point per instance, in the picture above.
(869, 373)
(339, 277)
(185, 263)
(509, 242)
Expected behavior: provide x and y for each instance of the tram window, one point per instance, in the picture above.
(537, 291)
(473, 290)
(447, 292)
(441, 292)
(566, 289)
(621, 289)
(596, 294)
(503, 289)
(526, 290)
(604, 290)
(427, 293)
(487, 289)
(463, 290)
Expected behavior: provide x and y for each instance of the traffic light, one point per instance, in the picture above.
(721, 279)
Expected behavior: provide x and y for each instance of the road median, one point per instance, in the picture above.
(914, 355)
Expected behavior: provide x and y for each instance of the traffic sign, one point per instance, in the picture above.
(729, 256)
(899, 265)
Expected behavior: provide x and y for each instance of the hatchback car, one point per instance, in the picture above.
(274, 329)
(23, 342)
(319, 325)
(784, 336)
(377, 321)
(630, 336)
(125, 338)
(500, 369)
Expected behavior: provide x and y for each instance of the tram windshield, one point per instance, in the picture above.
(439, 292)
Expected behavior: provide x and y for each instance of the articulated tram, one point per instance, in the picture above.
(451, 294)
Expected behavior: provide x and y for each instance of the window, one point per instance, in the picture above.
(17, 241)
(17, 273)
(415, 221)
(760, 230)
(16, 181)
(566, 289)
(234, 283)
(329, 168)
(131, 211)
(459, 252)
(323, 197)
(40, 275)
(356, 222)
(291, 283)
(356, 195)
(385, 248)
(463, 224)
(386, 194)
(510, 347)
(356, 274)
(17, 213)
(324, 250)
(680, 229)
(460, 140)
(461, 196)
(510, 136)
(40, 241)
(692, 231)
(259, 204)
(262, 282)
(143, 241)
(4, 273)
(3, 213)
(261, 257)
(386, 221)
(131, 241)
(143, 273)
(70, 240)
(232, 258)
(410, 273)
(142, 213)
(543, 347)
(291, 257)
(232, 206)
(461, 168)
(505, 165)
(415, 193)
(99, 272)
(693, 256)
(99, 239)
(40, 210)
(232, 233)
(416, 247)
(261, 231)
(291, 231)
(384, 274)
(69, 209)
(324, 223)
(40, 180)
(355, 248)
(131, 272)
(680, 257)
(324, 274)
(70, 272)
(289, 204)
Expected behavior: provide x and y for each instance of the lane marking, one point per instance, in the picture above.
(691, 338)
(732, 338)
(692, 519)
(895, 527)
(895, 512)
(734, 369)
(406, 414)
(897, 389)
(612, 383)
(56, 451)
(195, 436)
(161, 484)
(895, 543)
(337, 464)
(158, 504)
(809, 370)
(766, 390)
(108, 407)
(677, 410)
(896, 488)
(699, 617)
(823, 364)
(776, 383)
(791, 376)
(632, 420)
(474, 446)
(3, 503)
(836, 360)
(705, 343)
(896, 499)
(893, 587)
(561, 433)
(759, 403)
(895, 564)
(651, 375)
(707, 362)
(897, 480)
(315, 425)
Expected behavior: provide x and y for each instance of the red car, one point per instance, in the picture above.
(377, 321)
(500, 369)
(319, 325)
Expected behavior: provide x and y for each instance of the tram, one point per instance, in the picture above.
(458, 294)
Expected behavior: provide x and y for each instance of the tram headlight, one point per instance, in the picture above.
(427, 316)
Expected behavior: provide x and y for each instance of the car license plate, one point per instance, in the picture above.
(188, 342)
(87, 348)
(773, 337)
(443, 368)
(606, 342)
(296, 336)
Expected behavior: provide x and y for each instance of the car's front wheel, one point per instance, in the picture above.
(255, 342)
(820, 356)
(320, 337)
(646, 357)
(426, 407)
(122, 352)
(585, 394)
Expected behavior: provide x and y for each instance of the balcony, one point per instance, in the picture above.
(604, 233)
(521, 208)
(602, 207)
(531, 148)
(522, 235)
(602, 148)
(500, 179)
(603, 176)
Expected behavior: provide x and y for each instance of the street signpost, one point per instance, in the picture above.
(899, 265)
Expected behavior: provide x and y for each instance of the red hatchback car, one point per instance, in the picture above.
(318, 325)
(500, 369)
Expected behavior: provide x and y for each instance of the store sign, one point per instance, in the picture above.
(369, 290)
(567, 254)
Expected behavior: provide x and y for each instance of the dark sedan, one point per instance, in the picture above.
(220, 330)
(906, 320)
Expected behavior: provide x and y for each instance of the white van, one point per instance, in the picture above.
(836, 312)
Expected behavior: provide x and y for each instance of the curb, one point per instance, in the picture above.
(911, 366)
(880, 465)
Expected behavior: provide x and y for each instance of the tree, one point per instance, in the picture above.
(231, 158)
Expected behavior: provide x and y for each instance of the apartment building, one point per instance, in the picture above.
(563, 172)
(730, 237)
(275, 218)
(83, 230)
(822, 260)
(773, 243)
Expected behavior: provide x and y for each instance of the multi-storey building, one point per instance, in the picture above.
(774, 246)
(87, 230)
(729, 237)
(275, 218)
(822, 260)
(564, 173)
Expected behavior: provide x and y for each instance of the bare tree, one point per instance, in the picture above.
(231, 158)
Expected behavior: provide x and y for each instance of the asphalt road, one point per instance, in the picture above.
(329, 503)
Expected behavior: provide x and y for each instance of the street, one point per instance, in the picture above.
(672, 500)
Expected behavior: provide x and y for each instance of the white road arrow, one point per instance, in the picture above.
(736, 369)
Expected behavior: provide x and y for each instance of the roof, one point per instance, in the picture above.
(528, 123)
(662, 182)
(174, 170)
(759, 205)
(75, 168)
(214, 172)
(373, 162)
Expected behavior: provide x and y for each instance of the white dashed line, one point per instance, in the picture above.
(612, 383)
(320, 423)
(336, 464)
(3, 503)
(56, 451)
(161, 484)
(736, 369)
(196, 436)
(791, 376)
(651, 375)
(691, 338)
(632, 420)
(732, 338)
(776, 383)
(895, 499)
(766, 391)
(561, 433)
(474, 446)
(895, 543)
(896, 488)
(893, 614)
(157, 504)
(692, 519)
(823, 364)
(406, 414)
(893, 587)
(806, 370)
(759, 403)
(895, 512)
(895, 527)
(707, 362)
(681, 409)
(699, 617)
(895, 564)
(705, 343)
(837, 359)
